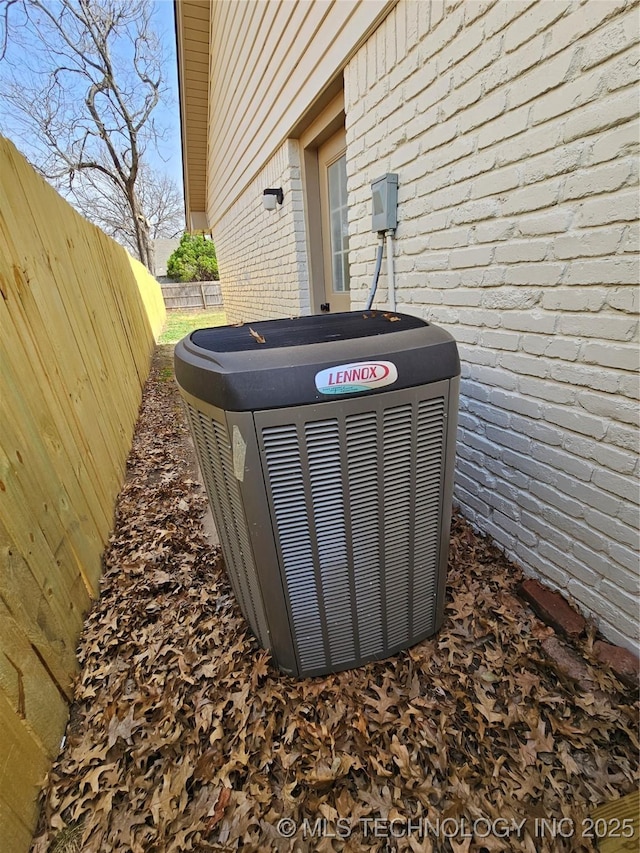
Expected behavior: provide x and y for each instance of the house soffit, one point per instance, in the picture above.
(192, 40)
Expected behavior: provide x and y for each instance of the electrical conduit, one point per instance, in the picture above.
(376, 274)
(391, 280)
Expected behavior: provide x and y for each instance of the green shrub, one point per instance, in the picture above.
(193, 260)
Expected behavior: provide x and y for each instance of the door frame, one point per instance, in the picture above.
(330, 152)
(321, 128)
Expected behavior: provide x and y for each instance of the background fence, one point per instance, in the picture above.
(196, 294)
(79, 319)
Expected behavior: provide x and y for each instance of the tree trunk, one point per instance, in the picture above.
(143, 238)
(151, 254)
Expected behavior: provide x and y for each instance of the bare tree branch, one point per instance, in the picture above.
(160, 203)
(79, 80)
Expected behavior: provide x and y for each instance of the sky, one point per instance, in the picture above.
(167, 113)
(170, 159)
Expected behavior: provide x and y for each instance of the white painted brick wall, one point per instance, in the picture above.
(262, 254)
(513, 127)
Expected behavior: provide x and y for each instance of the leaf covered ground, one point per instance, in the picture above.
(183, 736)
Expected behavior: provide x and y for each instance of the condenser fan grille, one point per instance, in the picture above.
(214, 455)
(356, 503)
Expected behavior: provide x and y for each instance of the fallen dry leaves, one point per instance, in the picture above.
(183, 736)
(260, 339)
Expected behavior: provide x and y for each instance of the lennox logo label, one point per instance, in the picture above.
(359, 376)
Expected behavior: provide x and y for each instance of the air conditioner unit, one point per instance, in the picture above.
(327, 446)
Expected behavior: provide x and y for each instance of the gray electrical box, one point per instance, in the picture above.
(384, 192)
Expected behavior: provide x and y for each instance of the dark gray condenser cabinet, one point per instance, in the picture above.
(327, 452)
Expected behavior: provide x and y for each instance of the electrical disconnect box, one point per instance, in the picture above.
(384, 192)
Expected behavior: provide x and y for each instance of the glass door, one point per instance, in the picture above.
(332, 162)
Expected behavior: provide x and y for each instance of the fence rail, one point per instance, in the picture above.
(79, 319)
(196, 294)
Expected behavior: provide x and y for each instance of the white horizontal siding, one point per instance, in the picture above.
(270, 63)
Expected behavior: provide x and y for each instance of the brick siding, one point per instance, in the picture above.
(261, 253)
(513, 127)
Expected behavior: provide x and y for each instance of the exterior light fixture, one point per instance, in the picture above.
(271, 196)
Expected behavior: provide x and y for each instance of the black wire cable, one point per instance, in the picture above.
(376, 274)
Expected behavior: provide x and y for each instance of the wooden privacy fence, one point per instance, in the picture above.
(78, 322)
(193, 294)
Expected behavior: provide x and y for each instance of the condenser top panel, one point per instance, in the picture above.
(277, 363)
(304, 331)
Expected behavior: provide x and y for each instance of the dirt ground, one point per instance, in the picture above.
(184, 737)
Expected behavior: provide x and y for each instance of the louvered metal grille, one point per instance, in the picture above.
(328, 518)
(357, 504)
(363, 455)
(427, 512)
(398, 458)
(282, 452)
(214, 453)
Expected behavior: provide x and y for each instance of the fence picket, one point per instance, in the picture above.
(79, 320)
